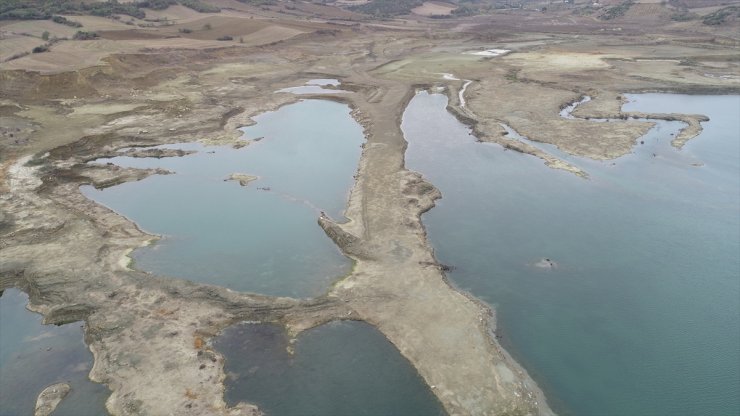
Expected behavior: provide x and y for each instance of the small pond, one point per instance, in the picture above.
(263, 237)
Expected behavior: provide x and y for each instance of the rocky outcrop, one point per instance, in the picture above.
(50, 398)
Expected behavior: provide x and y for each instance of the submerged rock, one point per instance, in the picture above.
(242, 178)
(545, 263)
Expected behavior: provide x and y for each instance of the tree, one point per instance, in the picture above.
(45, 35)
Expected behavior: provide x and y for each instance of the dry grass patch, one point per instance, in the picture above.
(177, 13)
(557, 60)
(13, 45)
(432, 8)
(75, 55)
(38, 27)
(94, 23)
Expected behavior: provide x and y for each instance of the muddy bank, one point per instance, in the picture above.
(148, 332)
(607, 105)
(501, 136)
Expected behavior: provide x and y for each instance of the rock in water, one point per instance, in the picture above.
(50, 398)
(243, 178)
(545, 263)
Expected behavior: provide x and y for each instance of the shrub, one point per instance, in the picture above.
(683, 16)
(617, 11)
(41, 48)
(720, 16)
(387, 8)
(464, 10)
(17, 56)
(225, 38)
(64, 21)
(50, 9)
(156, 4)
(81, 35)
(199, 6)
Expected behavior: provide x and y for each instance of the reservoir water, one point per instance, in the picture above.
(34, 356)
(639, 313)
(337, 369)
(261, 238)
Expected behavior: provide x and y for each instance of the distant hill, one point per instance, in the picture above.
(46, 9)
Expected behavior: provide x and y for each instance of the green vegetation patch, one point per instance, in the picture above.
(616, 11)
(64, 21)
(156, 4)
(48, 9)
(720, 16)
(199, 6)
(466, 10)
(387, 8)
(81, 35)
(45, 9)
(683, 16)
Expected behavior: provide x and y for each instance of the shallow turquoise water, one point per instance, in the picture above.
(338, 369)
(34, 356)
(641, 316)
(244, 238)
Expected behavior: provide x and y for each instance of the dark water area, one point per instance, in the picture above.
(34, 356)
(337, 369)
(640, 314)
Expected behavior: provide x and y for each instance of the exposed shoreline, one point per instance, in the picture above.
(372, 275)
(150, 335)
(102, 372)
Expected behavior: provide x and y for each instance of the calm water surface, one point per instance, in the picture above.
(338, 369)
(34, 356)
(246, 238)
(641, 315)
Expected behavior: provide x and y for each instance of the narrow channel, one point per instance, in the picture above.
(618, 294)
(34, 356)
